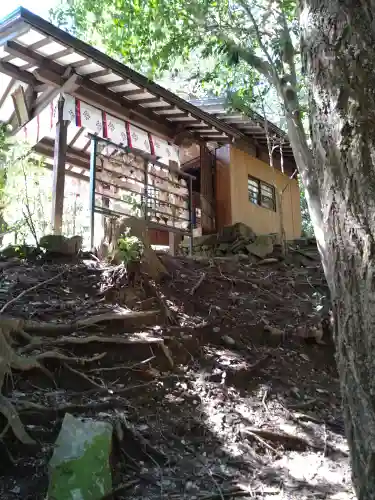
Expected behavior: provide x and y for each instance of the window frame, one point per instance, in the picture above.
(271, 195)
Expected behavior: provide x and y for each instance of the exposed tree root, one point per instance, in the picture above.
(129, 318)
(10, 413)
(38, 342)
(10, 360)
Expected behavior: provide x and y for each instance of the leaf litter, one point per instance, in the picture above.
(219, 381)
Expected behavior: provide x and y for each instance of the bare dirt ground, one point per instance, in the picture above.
(223, 399)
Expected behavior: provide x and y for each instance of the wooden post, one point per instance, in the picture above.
(59, 158)
(207, 196)
(172, 244)
(94, 149)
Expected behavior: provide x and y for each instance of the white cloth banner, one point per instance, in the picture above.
(138, 138)
(116, 130)
(164, 150)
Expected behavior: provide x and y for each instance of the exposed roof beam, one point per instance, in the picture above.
(7, 90)
(117, 83)
(17, 73)
(91, 92)
(129, 93)
(98, 95)
(98, 74)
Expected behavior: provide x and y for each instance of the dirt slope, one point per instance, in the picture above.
(222, 399)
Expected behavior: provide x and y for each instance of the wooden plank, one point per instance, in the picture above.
(59, 161)
(20, 106)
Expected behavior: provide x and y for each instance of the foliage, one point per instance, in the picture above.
(27, 200)
(228, 47)
(130, 249)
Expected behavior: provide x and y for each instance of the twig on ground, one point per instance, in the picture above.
(24, 292)
(114, 368)
(225, 494)
(80, 374)
(198, 284)
(264, 402)
(120, 488)
(216, 484)
(262, 441)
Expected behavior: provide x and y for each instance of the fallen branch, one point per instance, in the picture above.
(24, 292)
(288, 441)
(198, 284)
(259, 438)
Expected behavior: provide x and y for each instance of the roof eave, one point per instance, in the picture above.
(48, 29)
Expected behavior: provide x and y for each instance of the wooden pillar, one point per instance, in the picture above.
(207, 196)
(174, 241)
(59, 159)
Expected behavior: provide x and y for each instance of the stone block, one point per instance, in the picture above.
(79, 467)
(261, 247)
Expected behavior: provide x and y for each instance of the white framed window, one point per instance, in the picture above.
(260, 193)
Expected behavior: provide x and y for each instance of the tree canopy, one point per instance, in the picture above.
(233, 48)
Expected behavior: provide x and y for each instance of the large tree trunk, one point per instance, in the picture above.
(338, 42)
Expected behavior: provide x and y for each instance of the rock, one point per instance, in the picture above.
(20, 251)
(229, 234)
(228, 340)
(273, 330)
(270, 260)
(223, 247)
(79, 467)
(261, 247)
(56, 243)
(238, 245)
(208, 239)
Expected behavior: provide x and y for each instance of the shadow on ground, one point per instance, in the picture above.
(249, 409)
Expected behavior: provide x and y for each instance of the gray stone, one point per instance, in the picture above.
(79, 467)
(56, 243)
(223, 247)
(261, 247)
(228, 234)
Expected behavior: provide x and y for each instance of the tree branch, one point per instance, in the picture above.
(289, 56)
(248, 11)
(248, 56)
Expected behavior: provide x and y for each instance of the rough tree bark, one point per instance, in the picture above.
(338, 46)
